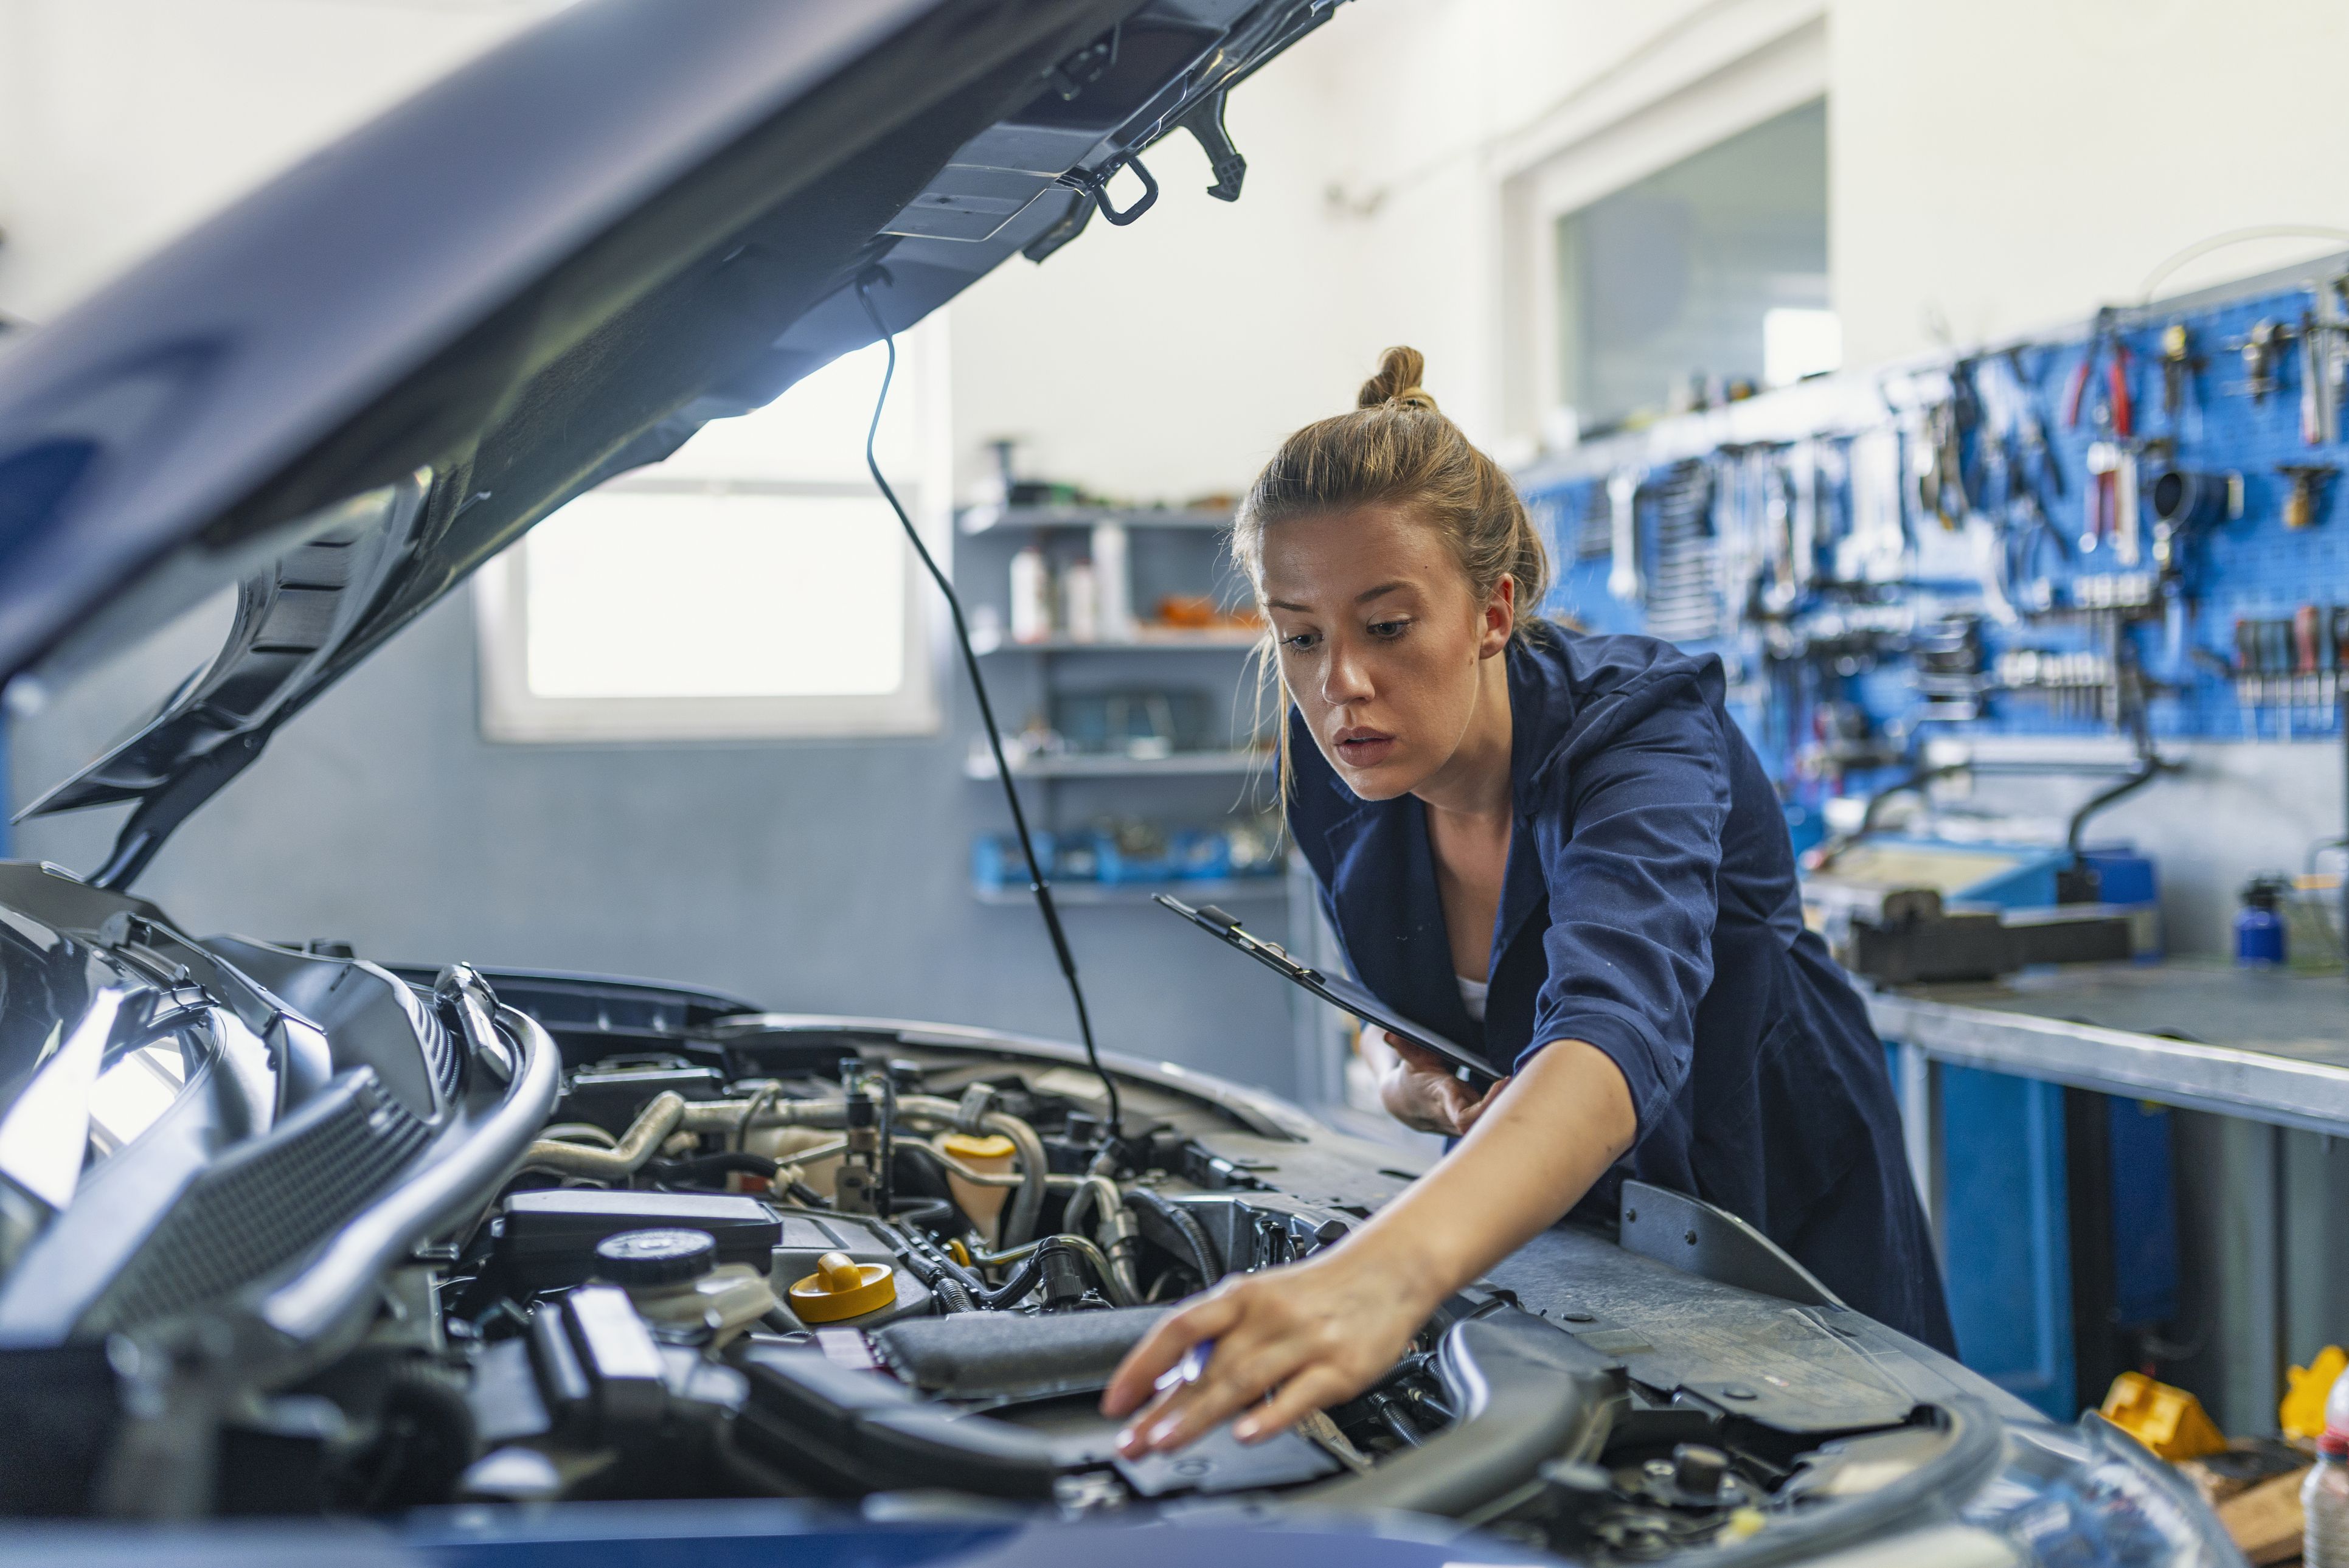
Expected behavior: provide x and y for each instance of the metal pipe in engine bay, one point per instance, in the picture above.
(668, 1113)
(1117, 1229)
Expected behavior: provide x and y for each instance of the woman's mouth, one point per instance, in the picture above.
(1363, 747)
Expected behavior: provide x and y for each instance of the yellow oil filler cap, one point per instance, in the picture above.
(842, 1287)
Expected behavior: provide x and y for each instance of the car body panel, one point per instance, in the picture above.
(549, 267)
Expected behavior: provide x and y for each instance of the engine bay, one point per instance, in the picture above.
(407, 1239)
(785, 1259)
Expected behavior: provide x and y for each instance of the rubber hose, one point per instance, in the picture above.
(931, 1262)
(427, 1399)
(706, 1168)
(1023, 1280)
(1099, 1191)
(951, 1292)
(1098, 1261)
(1977, 1447)
(925, 1211)
(1195, 1236)
(761, 1110)
(651, 1129)
(1080, 1204)
(1027, 1205)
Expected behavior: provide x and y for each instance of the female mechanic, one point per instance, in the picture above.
(1555, 849)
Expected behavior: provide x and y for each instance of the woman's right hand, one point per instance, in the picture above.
(1420, 1091)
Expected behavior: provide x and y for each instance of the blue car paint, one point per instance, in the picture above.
(730, 1535)
(159, 404)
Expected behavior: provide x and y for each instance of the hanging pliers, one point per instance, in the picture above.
(2117, 416)
(2104, 339)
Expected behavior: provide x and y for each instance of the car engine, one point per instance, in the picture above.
(792, 1260)
(382, 1240)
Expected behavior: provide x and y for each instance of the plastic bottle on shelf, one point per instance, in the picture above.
(1031, 596)
(1080, 603)
(1113, 583)
(2259, 926)
(2324, 1496)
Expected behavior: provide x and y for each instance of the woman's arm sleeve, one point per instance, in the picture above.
(1632, 865)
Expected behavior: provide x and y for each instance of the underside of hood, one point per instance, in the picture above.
(347, 392)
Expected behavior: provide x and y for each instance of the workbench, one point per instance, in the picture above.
(2257, 1044)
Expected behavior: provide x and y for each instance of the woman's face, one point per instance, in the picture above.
(1381, 642)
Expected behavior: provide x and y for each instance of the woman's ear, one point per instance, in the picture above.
(1500, 618)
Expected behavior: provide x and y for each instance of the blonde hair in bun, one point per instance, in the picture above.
(1396, 381)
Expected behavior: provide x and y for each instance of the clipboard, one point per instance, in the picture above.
(1334, 989)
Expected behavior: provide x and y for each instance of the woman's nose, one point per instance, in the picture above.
(1346, 679)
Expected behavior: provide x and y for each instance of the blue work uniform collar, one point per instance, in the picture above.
(1385, 890)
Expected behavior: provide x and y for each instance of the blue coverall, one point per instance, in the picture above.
(1649, 908)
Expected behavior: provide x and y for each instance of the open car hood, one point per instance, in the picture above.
(351, 389)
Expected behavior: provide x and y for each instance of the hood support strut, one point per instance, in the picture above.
(161, 813)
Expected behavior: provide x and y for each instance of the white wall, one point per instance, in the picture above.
(1183, 348)
(1177, 352)
(1996, 165)
(1166, 359)
(1379, 151)
(1999, 165)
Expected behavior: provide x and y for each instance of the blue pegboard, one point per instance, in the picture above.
(1914, 610)
(2249, 566)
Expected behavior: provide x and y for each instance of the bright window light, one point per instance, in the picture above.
(1799, 343)
(633, 594)
(813, 433)
(753, 586)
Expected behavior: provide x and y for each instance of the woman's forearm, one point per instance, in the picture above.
(1545, 1139)
(1323, 1330)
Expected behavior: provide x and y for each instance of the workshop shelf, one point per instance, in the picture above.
(1112, 765)
(1163, 582)
(1150, 643)
(984, 518)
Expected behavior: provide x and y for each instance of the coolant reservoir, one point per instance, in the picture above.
(674, 1278)
(782, 1145)
(991, 1153)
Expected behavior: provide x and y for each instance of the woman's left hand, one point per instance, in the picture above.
(1319, 1332)
(1421, 1091)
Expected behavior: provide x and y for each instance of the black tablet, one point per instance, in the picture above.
(1334, 989)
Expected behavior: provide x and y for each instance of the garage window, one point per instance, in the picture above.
(1713, 270)
(755, 585)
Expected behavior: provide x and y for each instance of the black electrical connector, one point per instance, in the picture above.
(1035, 883)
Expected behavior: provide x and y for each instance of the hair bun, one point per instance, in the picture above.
(1397, 381)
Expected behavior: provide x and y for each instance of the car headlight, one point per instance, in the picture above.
(2092, 1495)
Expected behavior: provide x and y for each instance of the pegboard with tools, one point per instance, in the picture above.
(2133, 528)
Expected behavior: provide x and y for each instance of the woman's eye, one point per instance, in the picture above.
(1389, 629)
(1300, 642)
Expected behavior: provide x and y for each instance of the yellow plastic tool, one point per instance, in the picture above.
(2301, 1413)
(842, 1287)
(2170, 1421)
